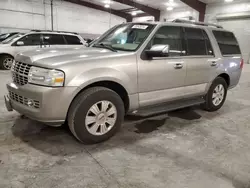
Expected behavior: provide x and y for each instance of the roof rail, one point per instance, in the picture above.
(197, 23)
(37, 30)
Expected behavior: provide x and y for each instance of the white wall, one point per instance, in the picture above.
(24, 15)
(179, 13)
(143, 19)
(215, 9)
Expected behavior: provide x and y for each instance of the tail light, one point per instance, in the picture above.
(241, 63)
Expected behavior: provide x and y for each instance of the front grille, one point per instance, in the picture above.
(24, 100)
(20, 72)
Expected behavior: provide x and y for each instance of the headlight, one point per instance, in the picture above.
(46, 77)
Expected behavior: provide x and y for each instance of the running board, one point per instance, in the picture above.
(170, 106)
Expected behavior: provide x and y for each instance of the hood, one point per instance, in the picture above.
(53, 57)
(4, 45)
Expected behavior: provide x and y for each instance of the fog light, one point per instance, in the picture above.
(30, 103)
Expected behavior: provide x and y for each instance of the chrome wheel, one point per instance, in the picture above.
(7, 63)
(101, 117)
(218, 94)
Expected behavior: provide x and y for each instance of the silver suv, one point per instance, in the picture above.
(134, 68)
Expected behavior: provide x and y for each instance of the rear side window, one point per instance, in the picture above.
(196, 42)
(53, 39)
(227, 42)
(73, 40)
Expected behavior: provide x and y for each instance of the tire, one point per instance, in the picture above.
(4, 65)
(210, 104)
(81, 108)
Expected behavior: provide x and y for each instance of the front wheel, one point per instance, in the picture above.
(6, 62)
(216, 95)
(96, 115)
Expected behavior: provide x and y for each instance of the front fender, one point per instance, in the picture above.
(103, 74)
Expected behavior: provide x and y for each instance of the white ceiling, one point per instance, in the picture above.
(113, 5)
(162, 4)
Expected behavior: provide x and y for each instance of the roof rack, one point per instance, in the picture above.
(37, 30)
(197, 23)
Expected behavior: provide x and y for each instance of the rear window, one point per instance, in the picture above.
(227, 42)
(72, 40)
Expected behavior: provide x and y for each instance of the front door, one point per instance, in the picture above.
(162, 79)
(28, 42)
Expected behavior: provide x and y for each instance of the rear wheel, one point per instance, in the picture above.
(216, 95)
(96, 115)
(6, 62)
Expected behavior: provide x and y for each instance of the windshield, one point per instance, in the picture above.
(12, 38)
(127, 37)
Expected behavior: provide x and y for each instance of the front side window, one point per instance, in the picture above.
(126, 37)
(31, 40)
(196, 42)
(227, 42)
(169, 35)
(53, 39)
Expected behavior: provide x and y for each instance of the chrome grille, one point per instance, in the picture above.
(23, 100)
(20, 72)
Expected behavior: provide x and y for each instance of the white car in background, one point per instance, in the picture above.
(33, 40)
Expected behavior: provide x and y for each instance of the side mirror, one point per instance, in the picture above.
(20, 43)
(158, 50)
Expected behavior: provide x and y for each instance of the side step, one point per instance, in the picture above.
(170, 106)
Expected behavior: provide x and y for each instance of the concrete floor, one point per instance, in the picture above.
(187, 148)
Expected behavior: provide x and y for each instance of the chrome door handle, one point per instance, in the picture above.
(178, 65)
(213, 63)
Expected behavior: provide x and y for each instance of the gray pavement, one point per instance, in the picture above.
(188, 148)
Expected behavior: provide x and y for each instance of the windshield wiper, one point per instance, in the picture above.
(101, 45)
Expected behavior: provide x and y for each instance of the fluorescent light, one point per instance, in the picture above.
(107, 6)
(107, 2)
(134, 13)
(229, 1)
(170, 8)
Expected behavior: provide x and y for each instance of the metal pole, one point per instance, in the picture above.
(52, 18)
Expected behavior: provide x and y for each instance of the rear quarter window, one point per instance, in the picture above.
(72, 40)
(227, 42)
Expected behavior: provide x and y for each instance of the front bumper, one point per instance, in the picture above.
(51, 104)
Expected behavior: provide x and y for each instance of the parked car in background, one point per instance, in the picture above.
(134, 68)
(6, 35)
(10, 47)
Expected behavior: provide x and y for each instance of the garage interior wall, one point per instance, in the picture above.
(240, 26)
(24, 15)
(180, 13)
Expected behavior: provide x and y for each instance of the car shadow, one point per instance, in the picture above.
(59, 141)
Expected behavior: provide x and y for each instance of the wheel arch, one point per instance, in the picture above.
(2, 54)
(226, 77)
(110, 84)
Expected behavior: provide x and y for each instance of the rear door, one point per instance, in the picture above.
(200, 60)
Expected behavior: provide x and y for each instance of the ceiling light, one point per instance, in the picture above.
(229, 1)
(106, 5)
(170, 8)
(134, 13)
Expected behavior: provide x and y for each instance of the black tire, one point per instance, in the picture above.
(79, 109)
(209, 105)
(2, 59)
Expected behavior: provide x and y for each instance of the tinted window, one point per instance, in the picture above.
(171, 36)
(31, 40)
(209, 47)
(196, 43)
(227, 42)
(53, 39)
(73, 40)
